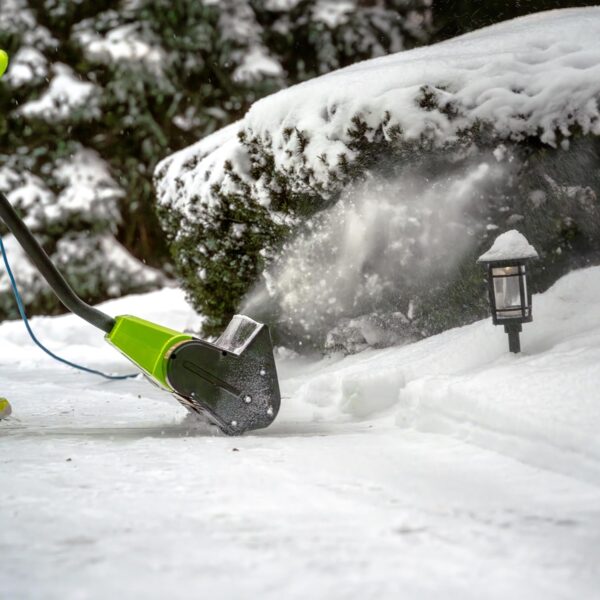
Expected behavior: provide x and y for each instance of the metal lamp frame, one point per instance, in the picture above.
(523, 312)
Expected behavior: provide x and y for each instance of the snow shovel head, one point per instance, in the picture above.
(233, 381)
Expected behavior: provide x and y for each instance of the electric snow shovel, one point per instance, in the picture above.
(232, 382)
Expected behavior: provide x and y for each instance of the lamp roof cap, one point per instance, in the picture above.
(510, 245)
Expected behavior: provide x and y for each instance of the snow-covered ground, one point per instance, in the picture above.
(443, 469)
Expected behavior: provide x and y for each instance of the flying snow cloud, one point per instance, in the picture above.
(378, 243)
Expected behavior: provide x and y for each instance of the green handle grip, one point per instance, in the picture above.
(3, 62)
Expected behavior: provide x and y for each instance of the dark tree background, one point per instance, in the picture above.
(453, 17)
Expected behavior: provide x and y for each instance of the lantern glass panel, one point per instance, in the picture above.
(507, 292)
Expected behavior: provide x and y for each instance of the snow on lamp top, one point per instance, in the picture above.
(510, 245)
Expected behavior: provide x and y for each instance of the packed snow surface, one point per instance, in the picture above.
(534, 76)
(510, 245)
(446, 468)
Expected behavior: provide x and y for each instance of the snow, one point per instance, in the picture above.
(333, 12)
(257, 65)
(510, 245)
(28, 66)
(16, 15)
(19, 261)
(207, 156)
(445, 468)
(534, 76)
(122, 44)
(379, 238)
(120, 269)
(28, 193)
(89, 188)
(65, 94)
(282, 5)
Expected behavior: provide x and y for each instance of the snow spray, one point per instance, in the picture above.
(379, 238)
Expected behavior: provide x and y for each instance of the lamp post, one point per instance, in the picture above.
(510, 297)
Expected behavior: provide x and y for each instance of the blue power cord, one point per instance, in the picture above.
(21, 307)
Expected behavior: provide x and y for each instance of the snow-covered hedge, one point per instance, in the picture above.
(351, 208)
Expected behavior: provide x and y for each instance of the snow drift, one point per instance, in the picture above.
(540, 406)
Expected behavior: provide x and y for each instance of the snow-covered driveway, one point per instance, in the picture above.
(445, 469)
